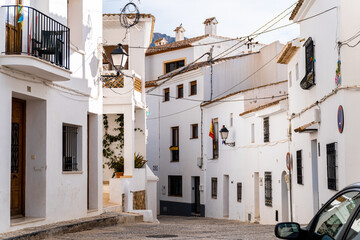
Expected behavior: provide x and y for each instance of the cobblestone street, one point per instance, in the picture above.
(179, 228)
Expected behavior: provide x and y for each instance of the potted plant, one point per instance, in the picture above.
(139, 160)
(117, 164)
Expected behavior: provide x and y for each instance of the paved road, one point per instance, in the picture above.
(179, 228)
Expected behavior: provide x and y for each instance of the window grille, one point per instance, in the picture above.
(331, 166)
(175, 186)
(299, 167)
(268, 189)
(214, 188)
(175, 144)
(216, 140)
(266, 130)
(70, 161)
(239, 192)
(309, 80)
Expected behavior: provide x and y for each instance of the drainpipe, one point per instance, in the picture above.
(201, 138)
(290, 182)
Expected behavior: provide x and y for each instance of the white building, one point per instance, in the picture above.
(124, 100)
(50, 114)
(323, 145)
(174, 98)
(246, 179)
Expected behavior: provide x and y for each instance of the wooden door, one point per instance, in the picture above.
(197, 194)
(17, 158)
(13, 31)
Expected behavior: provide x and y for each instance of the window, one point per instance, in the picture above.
(331, 166)
(268, 189)
(252, 132)
(193, 88)
(239, 191)
(266, 130)
(214, 188)
(108, 49)
(194, 131)
(290, 79)
(299, 167)
(70, 148)
(231, 119)
(174, 144)
(175, 186)
(309, 79)
(166, 94)
(334, 216)
(354, 231)
(297, 71)
(171, 66)
(180, 91)
(215, 141)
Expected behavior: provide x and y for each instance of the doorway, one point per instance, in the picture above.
(17, 203)
(226, 196)
(196, 193)
(256, 197)
(315, 179)
(13, 30)
(284, 198)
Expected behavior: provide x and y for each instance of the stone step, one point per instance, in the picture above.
(83, 224)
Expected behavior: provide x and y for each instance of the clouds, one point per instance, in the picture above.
(236, 17)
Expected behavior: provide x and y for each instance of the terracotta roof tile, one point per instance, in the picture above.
(174, 45)
(296, 9)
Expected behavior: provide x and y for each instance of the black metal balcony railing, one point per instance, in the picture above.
(30, 32)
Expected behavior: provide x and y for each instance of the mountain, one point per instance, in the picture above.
(161, 35)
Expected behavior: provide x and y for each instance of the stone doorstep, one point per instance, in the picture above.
(82, 224)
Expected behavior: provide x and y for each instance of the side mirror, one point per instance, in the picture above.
(287, 230)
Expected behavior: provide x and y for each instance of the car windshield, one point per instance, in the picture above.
(332, 219)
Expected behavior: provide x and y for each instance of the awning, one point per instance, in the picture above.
(309, 127)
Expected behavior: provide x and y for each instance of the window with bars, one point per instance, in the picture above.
(239, 191)
(70, 148)
(299, 167)
(166, 94)
(268, 189)
(174, 144)
(266, 130)
(180, 91)
(216, 139)
(175, 186)
(331, 166)
(194, 131)
(214, 188)
(193, 88)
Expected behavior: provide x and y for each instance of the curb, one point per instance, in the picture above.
(84, 224)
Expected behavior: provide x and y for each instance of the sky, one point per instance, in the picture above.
(236, 18)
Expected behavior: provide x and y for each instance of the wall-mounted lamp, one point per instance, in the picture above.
(119, 57)
(224, 135)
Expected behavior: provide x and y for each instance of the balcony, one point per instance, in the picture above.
(34, 43)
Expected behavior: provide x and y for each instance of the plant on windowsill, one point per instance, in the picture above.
(114, 161)
(139, 160)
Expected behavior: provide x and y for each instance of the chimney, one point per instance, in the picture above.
(160, 42)
(179, 33)
(210, 26)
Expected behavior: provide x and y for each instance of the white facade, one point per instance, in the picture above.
(319, 105)
(185, 112)
(129, 100)
(250, 159)
(53, 95)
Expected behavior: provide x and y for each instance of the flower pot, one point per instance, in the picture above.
(119, 174)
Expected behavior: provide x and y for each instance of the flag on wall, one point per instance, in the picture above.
(211, 132)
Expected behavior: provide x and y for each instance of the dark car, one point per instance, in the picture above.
(338, 219)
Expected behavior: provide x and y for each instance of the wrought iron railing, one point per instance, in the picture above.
(30, 32)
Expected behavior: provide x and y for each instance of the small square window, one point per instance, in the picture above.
(193, 88)
(180, 91)
(194, 131)
(166, 94)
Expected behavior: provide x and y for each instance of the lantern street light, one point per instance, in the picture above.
(224, 135)
(119, 57)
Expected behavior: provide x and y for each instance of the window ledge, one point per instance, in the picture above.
(72, 172)
(180, 196)
(174, 161)
(194, 138)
